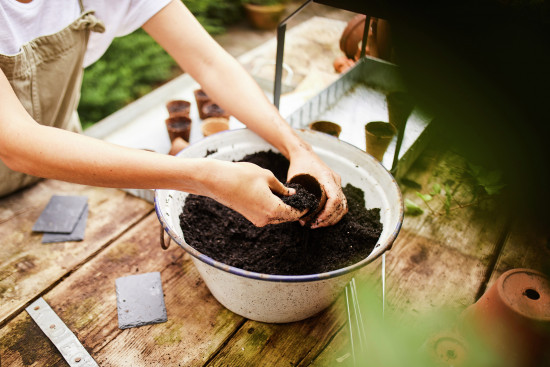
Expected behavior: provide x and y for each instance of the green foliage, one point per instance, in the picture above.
(411, 208)
(215, 15)
(424, 197)
(489, 180)
(436, 189)
(135, 64)
(484, 184)
(130, 68)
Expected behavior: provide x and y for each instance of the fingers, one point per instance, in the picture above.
(336, 205)
(259, 203)
(335, 208)
(277, 187)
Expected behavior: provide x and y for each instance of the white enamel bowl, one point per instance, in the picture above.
(285, 298)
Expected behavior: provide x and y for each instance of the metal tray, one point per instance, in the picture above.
(359, 96)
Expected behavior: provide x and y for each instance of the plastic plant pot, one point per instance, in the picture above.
(378, 135)
(213, 125)
(211, 109)
(178, 107)
(327, 127)
(201, 98)
(284, 298)
(400, 107)
(178, 126)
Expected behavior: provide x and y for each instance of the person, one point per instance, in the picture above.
(44, 46)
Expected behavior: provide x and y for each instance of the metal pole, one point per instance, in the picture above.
(365, 36)
(281, 30)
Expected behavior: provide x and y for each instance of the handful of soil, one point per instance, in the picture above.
(302, 199)
(283, 249)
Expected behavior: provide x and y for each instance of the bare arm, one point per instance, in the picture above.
(223, 78)
(43, 151)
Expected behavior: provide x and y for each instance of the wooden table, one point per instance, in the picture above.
(438, 260)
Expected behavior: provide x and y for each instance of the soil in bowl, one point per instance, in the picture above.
(286, 248)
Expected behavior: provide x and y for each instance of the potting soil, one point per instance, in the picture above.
(286, 248)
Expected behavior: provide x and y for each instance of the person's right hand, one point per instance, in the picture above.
(249, 190)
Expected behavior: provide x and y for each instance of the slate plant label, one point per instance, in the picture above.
(61, 214)
(76, 235)
(140, 300)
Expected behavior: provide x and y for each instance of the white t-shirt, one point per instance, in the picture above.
(22, 22)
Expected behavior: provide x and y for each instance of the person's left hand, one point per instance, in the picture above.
(336, 206)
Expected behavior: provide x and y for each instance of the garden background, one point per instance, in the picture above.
(135, 64)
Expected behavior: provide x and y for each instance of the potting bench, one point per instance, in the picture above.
(438, 260)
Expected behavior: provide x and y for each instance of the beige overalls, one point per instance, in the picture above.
(46, 76)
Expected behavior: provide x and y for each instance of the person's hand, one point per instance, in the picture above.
(336, 206)
(249, 190)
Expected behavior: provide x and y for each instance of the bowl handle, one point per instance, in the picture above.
(162, 243)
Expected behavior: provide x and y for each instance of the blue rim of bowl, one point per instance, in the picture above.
(288, 278)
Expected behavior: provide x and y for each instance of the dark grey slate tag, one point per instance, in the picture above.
(140, 300)
(61, 214)
(76, 235)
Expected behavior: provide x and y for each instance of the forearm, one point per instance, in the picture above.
(221, 76)
(58, 154)
(244, 99)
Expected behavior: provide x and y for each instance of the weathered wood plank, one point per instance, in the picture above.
(86, 301)
(292, 344)
(527, 246)
(28, 267)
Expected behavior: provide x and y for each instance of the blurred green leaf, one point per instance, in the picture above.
(411, 208)
(424, 197)
(436, 189)
(489, 180)
(448, 198)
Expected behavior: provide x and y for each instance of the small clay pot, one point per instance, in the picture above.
(400, 107)
(178, 144)
(178, 107)
(352, 35)
(342, 64)
(378, 135)
(313, 186)
(264, 16)
(178, 126)
(201, 98)
(447, 348)
(211, 109)
(214, 125)
(513, 317)
(327, 127)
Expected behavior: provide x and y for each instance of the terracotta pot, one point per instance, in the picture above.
(400, 107)
(178, 108)
(342, 64)
(264, 16)
(513, 317)
(313, 186)
(378, 38)
(447, 348)
(327, 127)
(178, 144)
(352, 36)
(211, 109)
(201, 98)
(178, 126)
(378, 136)
(214, 125)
